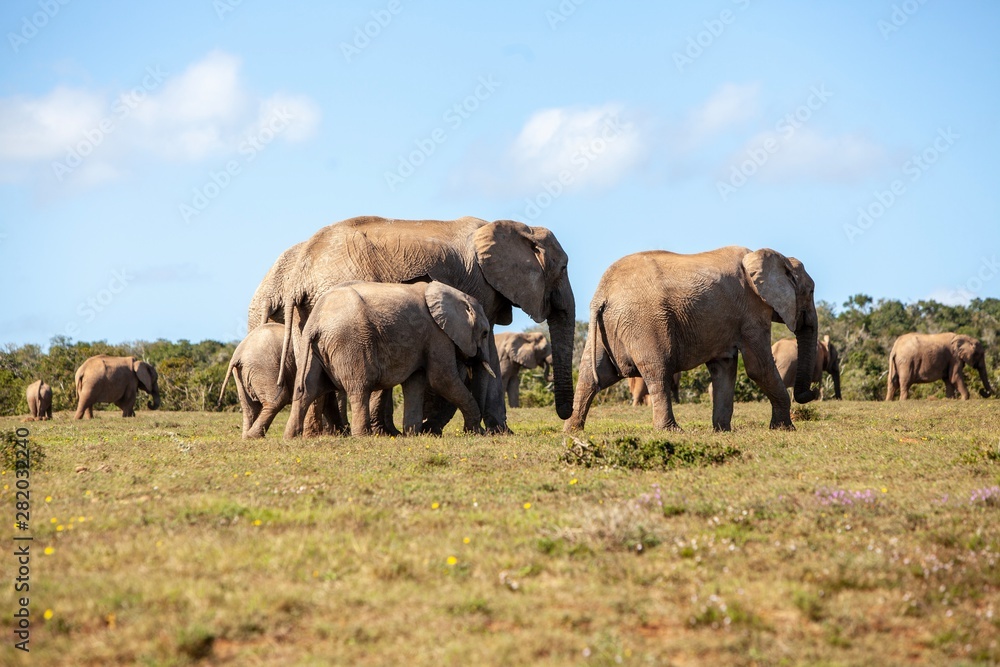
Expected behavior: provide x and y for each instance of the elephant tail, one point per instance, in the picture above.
(285, 340)
(225, 380)
(893, 376)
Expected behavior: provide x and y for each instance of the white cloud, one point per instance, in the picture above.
(952, 296)
(84, 138)
(592, 147)
(807, 155)
(728, 107)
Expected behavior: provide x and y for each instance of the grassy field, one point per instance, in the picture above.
(870, 535)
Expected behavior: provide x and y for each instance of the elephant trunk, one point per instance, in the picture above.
(561, 328)
(984, 375)
(155, 403)
(805, 337)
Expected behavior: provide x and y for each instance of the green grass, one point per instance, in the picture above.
(868, 536)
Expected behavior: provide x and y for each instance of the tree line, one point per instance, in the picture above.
(191, 374)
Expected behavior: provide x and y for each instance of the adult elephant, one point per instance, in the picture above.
(918, 358)
(501, 264)
(518, 351)
(656, 313)
(39, 395)
(104, 379)
(786, 356)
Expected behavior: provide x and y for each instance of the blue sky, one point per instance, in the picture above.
(155, 160)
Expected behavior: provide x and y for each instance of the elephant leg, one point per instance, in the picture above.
(265, 414)
(380, 409)
(313, 425)
(334, 408)
(949, 388)
(658, 388)
(514, 391)
(81, 408)
(760, 368)
(959, 380)
(413, 403)
(588, 385)
(90, 412)
(360, 411)
(439, 412)
(249, 408)
(723, 373)
(904, 385)
(305, 390)
(448, 383)
(127, 404)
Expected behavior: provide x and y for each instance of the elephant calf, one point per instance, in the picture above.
(254, 368)
(364, 337)
(918, 358)
(518, 351)
(39, 395)
(786, 358)
(104, 379)
(640, 392)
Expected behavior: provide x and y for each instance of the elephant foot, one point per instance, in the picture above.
(497, 429)
(782, 425)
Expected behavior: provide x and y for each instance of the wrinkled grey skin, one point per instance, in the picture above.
(362, 337)
(656, 313)
(640, 392)
(254, 368)
(518, 351)
(39, 395)
(786, 357)
(501, 264)
(919, 358)
(105, 379)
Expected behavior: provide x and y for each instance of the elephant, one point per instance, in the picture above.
(518, 351)
(105, 379)
(918, 358)
(364, 336)
(640, 392)
(501, 264)
(39, 395)
(254, 367)
(656, 313)
(827, 360)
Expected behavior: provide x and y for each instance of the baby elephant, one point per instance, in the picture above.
(518, 351)
(254, 368)
(369, 336)
(39, 397)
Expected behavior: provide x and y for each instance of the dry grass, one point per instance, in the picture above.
(868, 536)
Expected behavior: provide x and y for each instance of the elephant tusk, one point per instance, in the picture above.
(489, 370)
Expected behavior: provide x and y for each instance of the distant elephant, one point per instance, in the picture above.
(656, 313)
(254, 367)
(362, 337)
(640, 392)
(501, 264)
(104, 379)
(518, 351)
(918, 358)
(39, 395)
(827, 360)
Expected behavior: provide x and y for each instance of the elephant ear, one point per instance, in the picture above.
(963, 348)
(454, 313)
(510, 262)
(144, 372)
(522, 352)
(771, 276)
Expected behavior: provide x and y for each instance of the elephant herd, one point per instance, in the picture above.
(370, 303)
